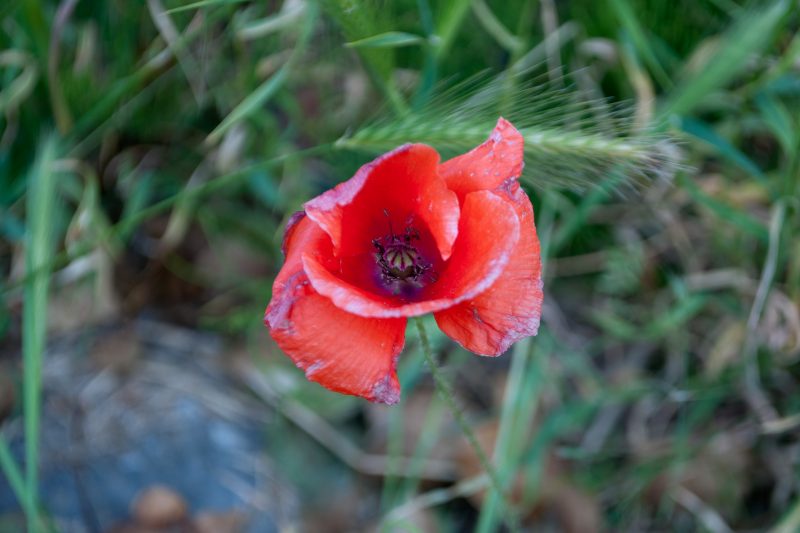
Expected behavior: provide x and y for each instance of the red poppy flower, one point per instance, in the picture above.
(404, 237)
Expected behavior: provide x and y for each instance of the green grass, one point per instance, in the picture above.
(41, 209)
(663, 164)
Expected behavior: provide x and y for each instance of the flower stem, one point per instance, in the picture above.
(446, 392)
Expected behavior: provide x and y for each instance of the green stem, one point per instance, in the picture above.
(13, 475)
(16, 481)
(446, 392)
(505, 455)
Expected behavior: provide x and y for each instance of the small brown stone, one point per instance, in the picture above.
(159, 506)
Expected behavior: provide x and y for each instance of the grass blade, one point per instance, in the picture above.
(390, 39)
(495, 28)
(430, 71)
(266, 90)
(749, 36)
(203, 3)
(725, 149)
(725, 212)
(519, 403)
(448, 25)
(359, 20)
(41, 203)
(780, 120)
(13, 474)
(21, 87)
(628, 20)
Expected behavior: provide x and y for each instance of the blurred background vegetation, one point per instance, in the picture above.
(151, 152)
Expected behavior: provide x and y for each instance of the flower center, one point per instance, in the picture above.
(402, 265)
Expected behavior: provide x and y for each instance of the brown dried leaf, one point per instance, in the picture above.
(780, 327)
(727, 349)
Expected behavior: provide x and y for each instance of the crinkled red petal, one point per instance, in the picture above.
(403, 184)
(511, 308)
(340, 351)
(487, 236)
(489, 165)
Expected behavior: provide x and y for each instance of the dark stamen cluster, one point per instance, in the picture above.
(400, 261)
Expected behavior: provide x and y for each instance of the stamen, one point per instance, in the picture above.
(402, 265)
(386, 213)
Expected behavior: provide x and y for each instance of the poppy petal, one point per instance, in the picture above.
(342, 352)
(511, 308)
(487, 236)
(402, 182)
(487, 166)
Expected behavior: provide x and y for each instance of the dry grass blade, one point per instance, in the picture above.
(464, 488)
(327, 436)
